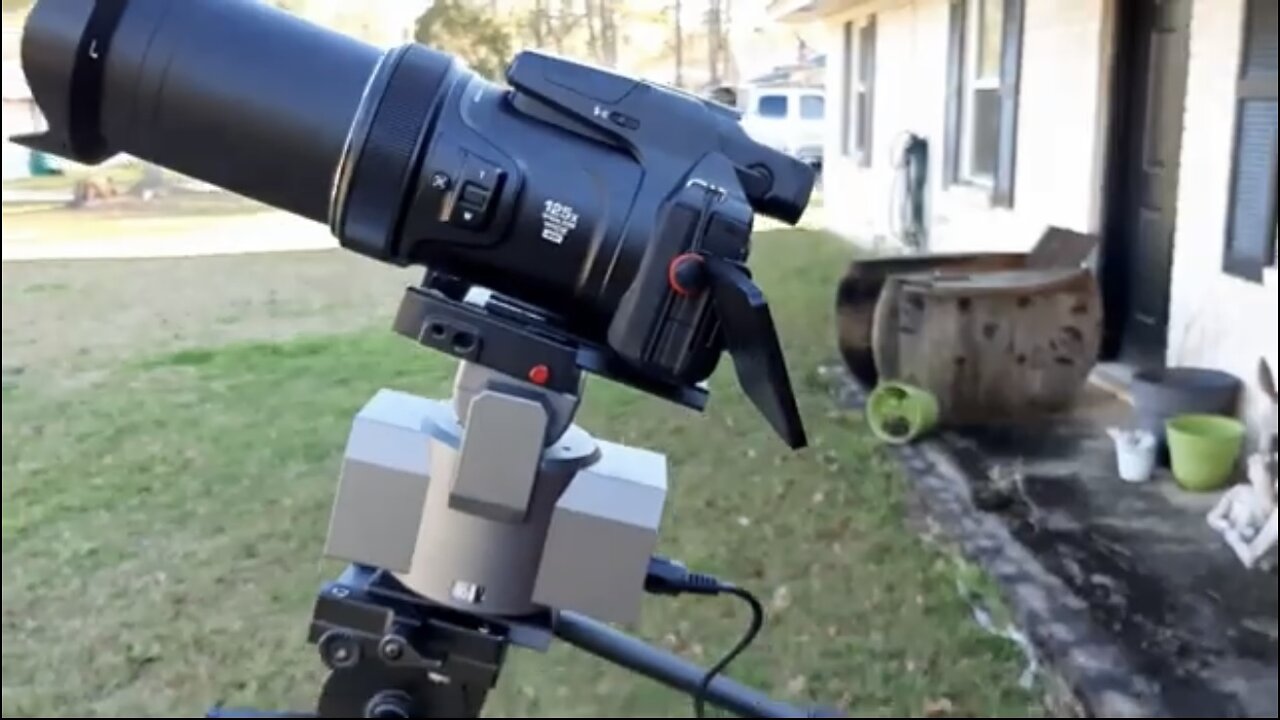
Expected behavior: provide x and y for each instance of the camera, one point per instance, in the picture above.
(613, 212)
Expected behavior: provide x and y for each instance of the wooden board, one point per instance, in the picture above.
(1062, 248)
(1017, 282)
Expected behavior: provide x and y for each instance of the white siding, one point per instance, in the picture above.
(1061, 121)
(910, 95)
(1217, 320)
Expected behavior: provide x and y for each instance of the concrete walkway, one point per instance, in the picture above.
(1126, 595)
(18, 196)
(259, 233)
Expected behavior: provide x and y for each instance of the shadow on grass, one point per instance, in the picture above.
(250, 356)
(162, 532)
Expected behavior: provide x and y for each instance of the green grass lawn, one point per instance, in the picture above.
(165, 506)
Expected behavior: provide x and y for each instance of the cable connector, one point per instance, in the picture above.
(670, 577)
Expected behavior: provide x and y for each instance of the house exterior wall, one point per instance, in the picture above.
(1061, 126)
(1216, 319)
(910, 96)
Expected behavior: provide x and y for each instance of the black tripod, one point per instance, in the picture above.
(394, 655)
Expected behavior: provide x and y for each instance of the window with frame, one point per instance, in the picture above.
(984, 68)
(846, 98)
(866, 91)
(813, 107)
(1251, 215)
(772, 106)
(857, 111)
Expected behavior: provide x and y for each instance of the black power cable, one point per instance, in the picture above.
(667, 577)
(757, 622)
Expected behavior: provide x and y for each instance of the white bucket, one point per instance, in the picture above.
(1135, 454)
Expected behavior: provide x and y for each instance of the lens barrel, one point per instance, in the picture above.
(233, 92)
(385, 148)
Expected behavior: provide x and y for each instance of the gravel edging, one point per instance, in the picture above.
(1086, 659)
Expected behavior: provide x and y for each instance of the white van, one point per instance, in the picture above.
(790, 119)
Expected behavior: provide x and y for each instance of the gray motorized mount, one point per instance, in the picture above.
(495, 503)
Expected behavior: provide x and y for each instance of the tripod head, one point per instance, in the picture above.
(503, 505)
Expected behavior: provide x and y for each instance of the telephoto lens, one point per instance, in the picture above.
(235, 93)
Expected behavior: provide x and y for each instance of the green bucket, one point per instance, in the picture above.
(899, 413)
(1204, 450)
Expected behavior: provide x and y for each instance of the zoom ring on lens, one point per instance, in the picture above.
(384, 162)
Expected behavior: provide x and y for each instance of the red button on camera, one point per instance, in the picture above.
(539, 374)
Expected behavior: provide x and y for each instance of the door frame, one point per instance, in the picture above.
(1117, 199)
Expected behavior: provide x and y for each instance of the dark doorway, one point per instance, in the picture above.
(1147, 104)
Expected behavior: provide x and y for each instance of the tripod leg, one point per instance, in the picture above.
(247, 713)
(674, 672)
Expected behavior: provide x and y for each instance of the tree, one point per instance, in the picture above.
(715, 39)
(602, 30)
(538, 23)
(679, 43)
(609, 32)
(468, 32)
(571, 27)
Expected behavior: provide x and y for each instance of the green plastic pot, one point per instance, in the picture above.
(1204, 450)
(899, 413)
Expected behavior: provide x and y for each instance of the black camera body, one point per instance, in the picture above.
(495, 186)
(618, 213)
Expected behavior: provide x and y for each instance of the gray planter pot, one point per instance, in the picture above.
(1159, 395)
